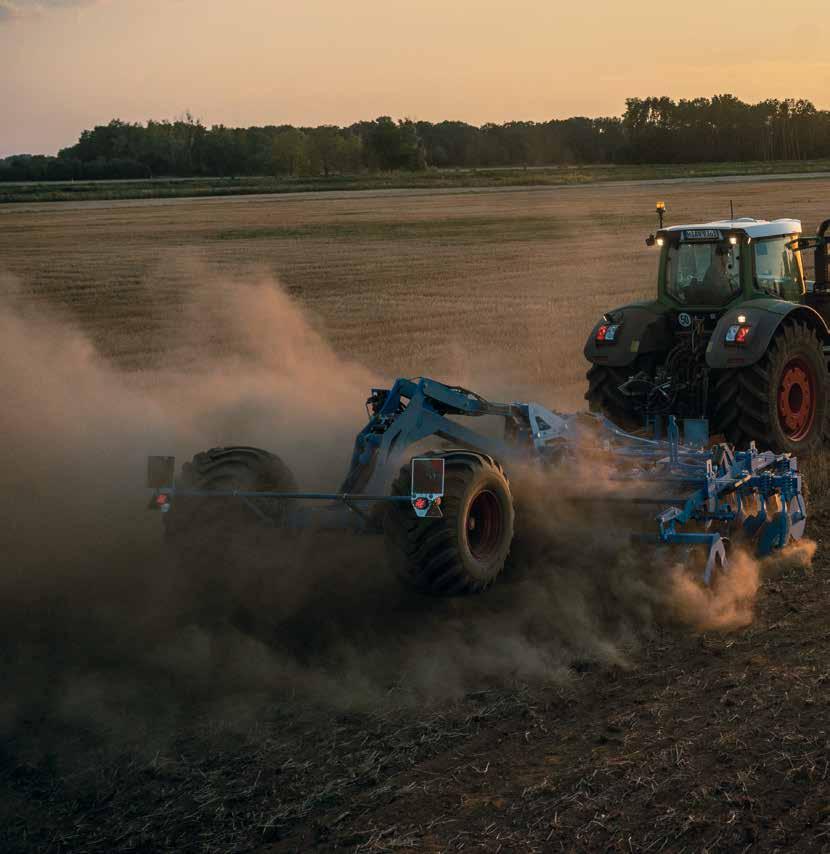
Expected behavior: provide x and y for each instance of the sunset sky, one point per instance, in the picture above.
(66, 65)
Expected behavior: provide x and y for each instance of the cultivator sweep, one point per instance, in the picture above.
(447, 514)
(721, 496)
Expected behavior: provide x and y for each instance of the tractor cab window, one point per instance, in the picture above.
(777, 270)
(703, 273)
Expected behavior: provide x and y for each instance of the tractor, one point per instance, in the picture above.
(736, 336)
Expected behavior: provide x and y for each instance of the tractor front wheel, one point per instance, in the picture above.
(781, 401)
(466, 548)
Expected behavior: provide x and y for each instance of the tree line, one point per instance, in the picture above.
(651, 130)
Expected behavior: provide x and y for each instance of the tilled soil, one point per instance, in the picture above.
(704, 741)
(710, 742)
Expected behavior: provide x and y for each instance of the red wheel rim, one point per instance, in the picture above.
(483, 526)
(797, 399)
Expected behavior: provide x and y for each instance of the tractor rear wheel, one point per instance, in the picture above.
(781, 400)
(214, 538)
(604, 394)
(465, 549)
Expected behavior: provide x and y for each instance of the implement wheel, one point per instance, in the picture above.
(466, 549)
(781, 401)
(214, 539)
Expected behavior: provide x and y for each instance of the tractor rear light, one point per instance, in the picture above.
(421, 503)
(607, 332)
(601, 332)
(738, 333)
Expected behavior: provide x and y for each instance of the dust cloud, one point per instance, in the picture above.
(729, 603)
(96, 621)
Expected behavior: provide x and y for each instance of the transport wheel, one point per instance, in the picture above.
(464, 550)
(604, 395)
(781, 401)
(214, 538)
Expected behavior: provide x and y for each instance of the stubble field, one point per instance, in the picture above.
(451, 285)
(573, 707)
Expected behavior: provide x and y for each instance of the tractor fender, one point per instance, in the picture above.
(643, 328)
(764, 317)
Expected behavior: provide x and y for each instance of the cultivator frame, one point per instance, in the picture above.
(758, 496)
(718, 493)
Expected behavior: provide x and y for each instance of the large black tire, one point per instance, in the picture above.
(464, 550)
(604, 395)
(780, 402)
(214, 539)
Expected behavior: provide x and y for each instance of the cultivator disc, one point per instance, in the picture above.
(706, 500)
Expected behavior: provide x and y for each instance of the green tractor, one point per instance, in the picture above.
(736, 335)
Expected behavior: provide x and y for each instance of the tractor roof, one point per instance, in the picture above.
(749, 225)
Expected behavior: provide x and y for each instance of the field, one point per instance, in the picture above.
(567, 709)
(429, 180)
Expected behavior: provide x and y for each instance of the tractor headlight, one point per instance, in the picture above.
(737, 333)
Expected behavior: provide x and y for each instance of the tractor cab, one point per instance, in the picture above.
(711, 265)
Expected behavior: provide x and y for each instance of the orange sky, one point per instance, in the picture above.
(69, 64)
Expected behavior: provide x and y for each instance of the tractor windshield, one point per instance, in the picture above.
(703, 273)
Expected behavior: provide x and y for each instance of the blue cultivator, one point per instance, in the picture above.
(755, 496)
(447, 514)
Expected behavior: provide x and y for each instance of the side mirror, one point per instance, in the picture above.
(651, 240)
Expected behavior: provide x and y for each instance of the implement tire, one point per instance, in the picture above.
(214, 539)
(465, 550)
(780, 402)
(604, 395)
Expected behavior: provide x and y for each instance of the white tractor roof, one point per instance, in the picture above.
(755, 228)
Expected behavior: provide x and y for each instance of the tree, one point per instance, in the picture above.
(394, 145)
(651, 130)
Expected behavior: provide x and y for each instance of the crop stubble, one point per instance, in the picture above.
(454, 285)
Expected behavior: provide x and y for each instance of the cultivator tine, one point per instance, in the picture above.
(751, 496)
(715, 560)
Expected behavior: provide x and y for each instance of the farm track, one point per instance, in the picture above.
(692, 741)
